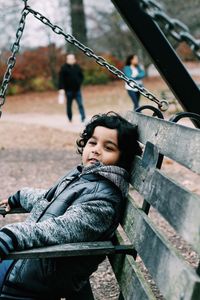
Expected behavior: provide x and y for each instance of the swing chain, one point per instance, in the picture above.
(25, 3)
(162, 104)
(175, 28)
(12, 59)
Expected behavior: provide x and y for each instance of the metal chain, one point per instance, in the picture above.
(12, 59)
(175, 28)
(162, 104)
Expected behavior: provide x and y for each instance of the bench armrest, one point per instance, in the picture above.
(73, 249)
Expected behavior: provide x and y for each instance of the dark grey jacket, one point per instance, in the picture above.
(85, 205)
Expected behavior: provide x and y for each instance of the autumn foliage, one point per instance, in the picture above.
(37, 69)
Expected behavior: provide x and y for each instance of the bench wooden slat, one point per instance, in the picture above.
(175, 141)
(130, 279)
(180, 207)
(172, 275)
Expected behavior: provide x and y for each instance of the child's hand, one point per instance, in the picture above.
(4, 204)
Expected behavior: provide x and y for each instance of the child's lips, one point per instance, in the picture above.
(93, 160)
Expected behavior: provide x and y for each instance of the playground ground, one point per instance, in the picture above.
(37, 145)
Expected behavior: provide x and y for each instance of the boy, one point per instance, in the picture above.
(83, 206)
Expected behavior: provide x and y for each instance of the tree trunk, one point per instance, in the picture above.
(78, 22)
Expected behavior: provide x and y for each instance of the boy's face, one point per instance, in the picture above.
(102, 147)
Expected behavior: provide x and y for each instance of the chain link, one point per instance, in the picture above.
(12, 59)
(162, 104)
(175, 28)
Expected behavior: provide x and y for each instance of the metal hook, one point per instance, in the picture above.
(164, 105)
(156, 111)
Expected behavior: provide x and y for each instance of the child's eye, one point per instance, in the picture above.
(92, 142)
(109, 148)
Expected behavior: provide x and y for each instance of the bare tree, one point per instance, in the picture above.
(9, 19)
(110, 34)
(78, 22)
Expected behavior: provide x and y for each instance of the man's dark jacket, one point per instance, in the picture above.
(70, 77)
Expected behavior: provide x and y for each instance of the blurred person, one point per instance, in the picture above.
(133, 70)
(70, 81)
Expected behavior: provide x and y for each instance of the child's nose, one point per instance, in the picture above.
(96, 149)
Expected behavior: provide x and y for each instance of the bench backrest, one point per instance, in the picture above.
(173, 276)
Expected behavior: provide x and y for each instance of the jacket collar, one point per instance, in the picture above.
(115, 174)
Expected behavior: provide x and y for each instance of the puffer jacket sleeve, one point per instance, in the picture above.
(26, 198)
(82, 222)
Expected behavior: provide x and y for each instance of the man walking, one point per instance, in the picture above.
(70, 80)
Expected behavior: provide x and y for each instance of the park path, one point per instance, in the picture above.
(56, 121)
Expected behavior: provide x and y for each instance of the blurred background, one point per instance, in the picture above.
(96, 24)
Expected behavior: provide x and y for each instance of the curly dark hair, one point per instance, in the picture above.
(127, 136)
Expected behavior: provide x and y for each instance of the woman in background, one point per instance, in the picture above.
(133, 71)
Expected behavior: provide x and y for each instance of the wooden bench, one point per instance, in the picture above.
(139, 241)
